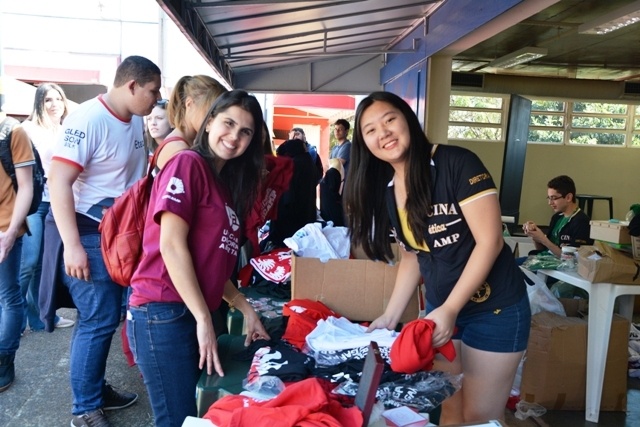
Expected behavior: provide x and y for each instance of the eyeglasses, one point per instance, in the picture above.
(554, 198)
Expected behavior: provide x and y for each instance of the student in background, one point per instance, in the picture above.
(158, 126)
(297, 206)
(198, 205)
(331, 194)
(342, 150)
(441, 204)
(298, 133)
(569, 225)
(13, 212)
(50, 107)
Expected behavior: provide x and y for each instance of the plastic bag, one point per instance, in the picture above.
(525, 410)
(264, 387)
(424, 391)
(543, 261)
(338, 238)
(310, 242)
(540, 296)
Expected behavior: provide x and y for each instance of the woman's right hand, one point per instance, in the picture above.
(76, 262)
(208, 347)
(382, 322)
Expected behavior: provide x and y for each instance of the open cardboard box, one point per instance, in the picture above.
(358, 289)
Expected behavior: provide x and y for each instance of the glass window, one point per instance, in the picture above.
(558, 122)
(546, 136)
(475, 133)
(599, 108)
(477, 118)
(546, 120)
(597, 138)
(540, 105)
(591, 122)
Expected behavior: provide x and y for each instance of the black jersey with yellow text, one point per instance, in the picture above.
(458, 177)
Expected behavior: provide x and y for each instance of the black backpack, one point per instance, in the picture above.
(6, 158)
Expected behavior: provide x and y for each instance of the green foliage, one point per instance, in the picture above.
(554, 137)
(599, 108)
(475, 133)
(597, 138)
(540, 105)
(590, 122)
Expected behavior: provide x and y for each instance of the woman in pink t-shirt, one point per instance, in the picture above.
(198, 204)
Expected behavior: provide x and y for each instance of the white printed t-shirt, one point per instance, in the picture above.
(108, 150)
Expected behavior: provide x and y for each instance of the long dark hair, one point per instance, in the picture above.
(368, 178)
(241, 175)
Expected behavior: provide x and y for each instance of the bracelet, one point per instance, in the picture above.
(231, 303)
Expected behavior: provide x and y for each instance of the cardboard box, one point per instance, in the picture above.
(613, 232)
(575, 307)
(602, 263)
(358, 289)
(554, 372)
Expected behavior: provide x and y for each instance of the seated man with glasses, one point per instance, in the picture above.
(569, 226)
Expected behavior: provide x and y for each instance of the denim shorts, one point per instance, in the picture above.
(503, 331)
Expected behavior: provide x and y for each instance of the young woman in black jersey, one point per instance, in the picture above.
(441, 205)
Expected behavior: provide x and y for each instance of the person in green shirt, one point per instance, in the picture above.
(569, 225)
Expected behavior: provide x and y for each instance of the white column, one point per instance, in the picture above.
(437, 104)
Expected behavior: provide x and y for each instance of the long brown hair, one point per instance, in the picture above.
(368, 177)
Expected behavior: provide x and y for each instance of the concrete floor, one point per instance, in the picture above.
(576, 418)
(41, 396)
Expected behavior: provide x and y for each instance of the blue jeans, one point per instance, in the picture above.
(163, 340)
(11, 301)
(31, 267)
(98, 303)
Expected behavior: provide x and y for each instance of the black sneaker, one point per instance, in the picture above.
(114, 399)
(91, 419)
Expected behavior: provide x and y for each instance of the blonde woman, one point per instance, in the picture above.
(189, 102)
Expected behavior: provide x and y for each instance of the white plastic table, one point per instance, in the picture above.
(602, 297)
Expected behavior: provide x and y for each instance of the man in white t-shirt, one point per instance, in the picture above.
(99, 154)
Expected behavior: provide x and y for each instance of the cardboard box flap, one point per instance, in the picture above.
(357, 289)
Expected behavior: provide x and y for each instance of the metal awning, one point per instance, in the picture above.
(322, 45)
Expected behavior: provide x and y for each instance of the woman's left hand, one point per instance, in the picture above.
(445, 320)
(208, 347)
(255, 329)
